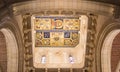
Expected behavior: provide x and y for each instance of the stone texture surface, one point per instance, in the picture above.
(115, 53)
(3, 53)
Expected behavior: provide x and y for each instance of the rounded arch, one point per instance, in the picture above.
(115, 54)
(106, 51)
(107, 29)
(12, 50)
(10, 26)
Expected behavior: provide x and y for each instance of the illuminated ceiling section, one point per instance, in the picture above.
(59, 41)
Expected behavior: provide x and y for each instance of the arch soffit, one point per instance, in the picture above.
(7, 23)
(105, 30)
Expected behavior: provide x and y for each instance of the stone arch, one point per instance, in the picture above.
(111, 28)
(10, 26)
(12, 50)
(115, 54)
(106, 51)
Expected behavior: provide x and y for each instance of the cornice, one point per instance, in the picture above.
(61, 6)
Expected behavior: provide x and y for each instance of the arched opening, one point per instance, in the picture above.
(3, 53)
(106, 51)
(115, 54)
(12, 50)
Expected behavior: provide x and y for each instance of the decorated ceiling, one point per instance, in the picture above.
(56, 31)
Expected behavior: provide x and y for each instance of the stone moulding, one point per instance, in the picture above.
(58, 6)
(106, 29)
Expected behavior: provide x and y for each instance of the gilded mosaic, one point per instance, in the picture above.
(56, 31)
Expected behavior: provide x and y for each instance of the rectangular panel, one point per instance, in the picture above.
(57, 39)
(57, 23)
(56, 31)
(71, 24)
(42, 24)
(59, 46)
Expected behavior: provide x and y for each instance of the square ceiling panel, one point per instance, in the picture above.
(59, 41)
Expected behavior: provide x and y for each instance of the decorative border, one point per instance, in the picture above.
(90, 47)
(28, 61)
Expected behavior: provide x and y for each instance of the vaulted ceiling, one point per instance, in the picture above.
(115, 2)
(5, 3)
